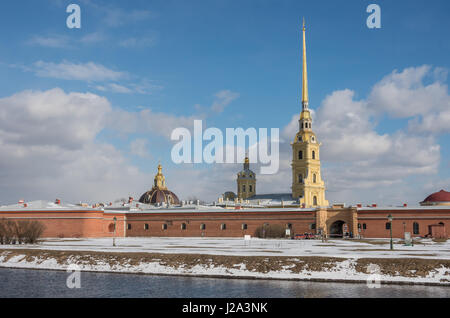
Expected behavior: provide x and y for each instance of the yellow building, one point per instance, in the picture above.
(307, 183)
(246, 182)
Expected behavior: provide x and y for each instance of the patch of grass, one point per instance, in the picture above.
(440, 240)
(371, 242)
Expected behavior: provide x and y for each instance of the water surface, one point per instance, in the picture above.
(49, 284)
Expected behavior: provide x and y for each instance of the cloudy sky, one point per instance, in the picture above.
(86, 114)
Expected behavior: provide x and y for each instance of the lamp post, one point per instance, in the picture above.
(114, 235)
(390, 218)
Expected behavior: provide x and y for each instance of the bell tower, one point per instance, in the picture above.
(307, 183)
(246, 181)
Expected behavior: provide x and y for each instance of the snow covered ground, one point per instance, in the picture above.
(368, 248)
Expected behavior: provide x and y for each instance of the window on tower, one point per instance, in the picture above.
(314, 178)
(300, 178)
(314, 200)
(243, 188)
(300, 155)
(314, 154)
(250, 188)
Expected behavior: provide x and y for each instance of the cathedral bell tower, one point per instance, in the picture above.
(307, 183)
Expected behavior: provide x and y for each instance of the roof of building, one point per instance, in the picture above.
(157, 195)
(441, 196)
(46, 205)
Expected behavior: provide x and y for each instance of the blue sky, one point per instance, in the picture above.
(174, 58)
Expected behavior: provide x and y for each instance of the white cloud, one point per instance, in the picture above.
(94, 37)
(52, 118)
(142, 87)
(146, 120)
(406, 94)
(115, 17)
(49, 150)
(137, 42)
(119, 88)
(90, 71)
(139, 147)
(221, 100)
(55, 41)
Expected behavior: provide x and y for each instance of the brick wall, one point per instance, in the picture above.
(212, 222)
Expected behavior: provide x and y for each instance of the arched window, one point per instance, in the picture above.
(300, 155)
(314, 154)
(314, 200)
(250, 188)
(388, 225)
(223, 226)
(314, 178)
(300, 178)
(183, 226)
(244, 226)
(202, 226)
(243, 188)
(364, 226)
(416, 228)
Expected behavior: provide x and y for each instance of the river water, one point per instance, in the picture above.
(49, 284)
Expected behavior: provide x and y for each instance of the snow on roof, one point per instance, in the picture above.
(43, 205)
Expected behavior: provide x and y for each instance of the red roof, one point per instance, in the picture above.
(441, 196)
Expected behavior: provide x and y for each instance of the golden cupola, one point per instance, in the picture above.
(160, 180)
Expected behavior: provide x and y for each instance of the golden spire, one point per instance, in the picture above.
(305, 73)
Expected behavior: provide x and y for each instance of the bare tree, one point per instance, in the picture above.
(26, 232)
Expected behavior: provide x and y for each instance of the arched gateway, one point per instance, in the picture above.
(338, 228)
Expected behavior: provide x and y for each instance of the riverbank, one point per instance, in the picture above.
(259, 259)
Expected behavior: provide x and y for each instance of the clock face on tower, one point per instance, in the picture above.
(313, 140)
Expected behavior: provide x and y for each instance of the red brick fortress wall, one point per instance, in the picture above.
(403, 221)
(171, 224)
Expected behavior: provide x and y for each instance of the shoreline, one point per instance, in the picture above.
(394, 271)
(315, 280)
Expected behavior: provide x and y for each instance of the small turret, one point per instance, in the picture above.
(246, 181)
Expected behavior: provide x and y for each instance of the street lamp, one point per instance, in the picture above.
(114, 237)
(390, 218)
